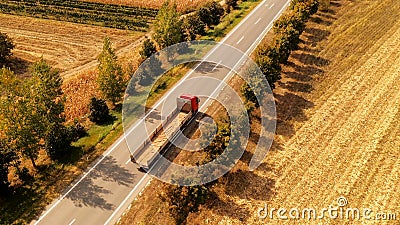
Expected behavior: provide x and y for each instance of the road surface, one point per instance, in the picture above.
(112, 182)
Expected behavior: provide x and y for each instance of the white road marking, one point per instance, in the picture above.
(159, 103)
(73, 221)
(272, 5)
(251, 49)
(126, 198)
(266, 5)
(215, 67)
(129, 160)
(240, 40)
(257, 21)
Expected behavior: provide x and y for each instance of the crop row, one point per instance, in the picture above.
(115, 16)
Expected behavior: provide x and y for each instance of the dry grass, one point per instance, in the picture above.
(64, 45)
(338, 115)
(338, 127)
(78, 92)
(183, 5)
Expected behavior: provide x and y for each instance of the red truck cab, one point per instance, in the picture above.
(192, 100)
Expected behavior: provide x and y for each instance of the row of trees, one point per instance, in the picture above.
(171, 28)
(287, 38)
(183, 200)
(169, 23)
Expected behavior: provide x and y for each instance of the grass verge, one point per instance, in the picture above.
(52, 179)
(229, 21)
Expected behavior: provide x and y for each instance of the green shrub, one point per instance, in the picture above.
(99, 111)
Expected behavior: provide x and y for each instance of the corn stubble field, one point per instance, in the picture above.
(338, 131)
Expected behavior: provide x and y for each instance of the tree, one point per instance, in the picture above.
(183, 200)
(309, 6)
(168, 26)
(47, 92)
(249, 95)
(290, 20)
(268, 61)
(193, 26)
(48, 99)
(99, 111)
(211, 13)
(231, 4)
(6, 46)
(30, 108)
(21, 121)
(285, 42)
(110, 78)
(148, 49)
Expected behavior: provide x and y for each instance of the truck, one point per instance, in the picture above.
(186, 107)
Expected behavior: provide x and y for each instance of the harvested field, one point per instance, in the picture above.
(338, 129)
(338, 124)
(66, 46)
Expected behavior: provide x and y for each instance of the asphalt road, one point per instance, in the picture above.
(112, 182)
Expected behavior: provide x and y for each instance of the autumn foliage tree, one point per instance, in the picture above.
(211, 13)
(168, 26)
(47, 94)
(31, 109)
(183, 200)
(193, 26)
(110, 79)
(288, 29)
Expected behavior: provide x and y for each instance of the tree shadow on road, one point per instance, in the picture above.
(88, 193)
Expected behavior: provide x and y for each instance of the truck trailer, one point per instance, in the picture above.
(186, 107)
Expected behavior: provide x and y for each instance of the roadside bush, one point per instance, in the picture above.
(58, 142)
(59, 139)
(193, 26)
(211, 13)
(99, 111)
(77, 131)
(148, 49)
(249, 95)
(183, 200)
(230, 4)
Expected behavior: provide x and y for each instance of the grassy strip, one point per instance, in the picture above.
(230, 20)
(52, 179)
